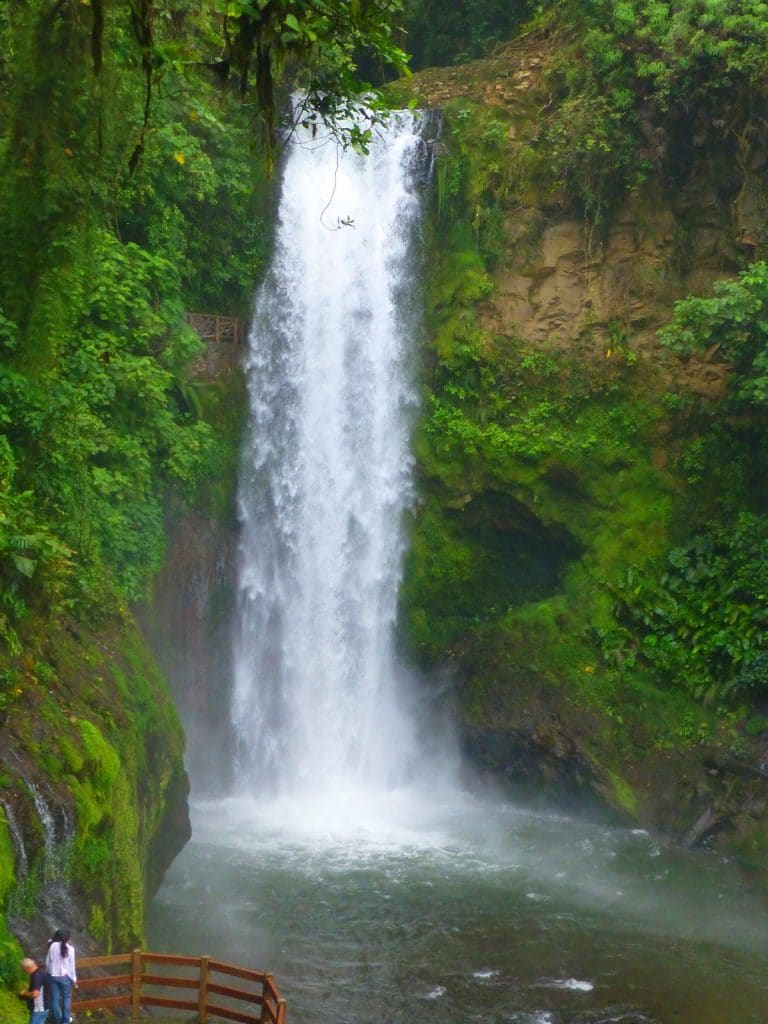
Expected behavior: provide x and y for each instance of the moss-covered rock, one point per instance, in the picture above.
(555, 456)
(11, 1009)
(92, 785)
(188, 621)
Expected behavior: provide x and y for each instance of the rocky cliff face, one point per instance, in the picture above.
(190, 619)
(551, 459)
(560, 278)
(93, 791)
(189, 625)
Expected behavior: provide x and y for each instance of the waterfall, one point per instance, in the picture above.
(58, 830)
(320, 698)
(17, 838)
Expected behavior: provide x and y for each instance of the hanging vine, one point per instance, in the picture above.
(142, 19)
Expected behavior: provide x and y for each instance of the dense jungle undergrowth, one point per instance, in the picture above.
(590, 548)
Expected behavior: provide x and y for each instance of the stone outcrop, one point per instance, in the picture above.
(93, 810)
(189, 625)
(595, 294)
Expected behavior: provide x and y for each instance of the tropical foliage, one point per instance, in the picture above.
(439, 32)
(699, 615)
(702, 621)
(733, 325)
(643, 83)
(134, 187)
(559, 535)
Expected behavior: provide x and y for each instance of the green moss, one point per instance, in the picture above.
(97, 924)
(223, 405)
(112, 734)
(107, 857)
(71, 756)
(117, 809)
(7, 874)
(544, 469)
(622, 795)
(11, 1010)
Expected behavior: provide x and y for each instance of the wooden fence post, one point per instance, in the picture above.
(136, 983)
(266, 990)
(202, 1002)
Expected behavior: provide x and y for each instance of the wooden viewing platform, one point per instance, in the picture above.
(223, 338)
(172, 982)
(222, 330)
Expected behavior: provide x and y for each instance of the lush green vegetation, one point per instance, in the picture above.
(438, 33)
(136, 146)
(699, 615)
(643, 85)
(97, 738)
(134, 188)
(558, 547)
(98, 267)
(555, 547)
(10, 951)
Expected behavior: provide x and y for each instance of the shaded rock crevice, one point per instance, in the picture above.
(189, 625)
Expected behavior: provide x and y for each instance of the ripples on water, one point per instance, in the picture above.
(464, 911)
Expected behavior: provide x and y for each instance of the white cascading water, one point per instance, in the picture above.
(319, 701)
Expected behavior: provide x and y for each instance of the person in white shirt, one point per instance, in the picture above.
(60, 965)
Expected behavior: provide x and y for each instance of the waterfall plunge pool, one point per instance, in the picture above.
(373, 900)
(465, 910)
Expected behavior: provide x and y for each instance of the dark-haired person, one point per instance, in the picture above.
(60, 965)
(34, 994)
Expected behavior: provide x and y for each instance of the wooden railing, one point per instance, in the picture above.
(223, 338)
(145, 975)
(218, 329)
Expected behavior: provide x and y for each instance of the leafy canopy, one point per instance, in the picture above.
(699, 615)
(733, 326)
(133, 188)
(701, 618)
(636, 80)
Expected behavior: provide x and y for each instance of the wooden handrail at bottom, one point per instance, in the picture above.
(222, 1011)
(173, 959)
(239, 972)
(111, 981)
(235, 993)
(170, 982)
(97, 1004)
(261, 1005)
(104, 961)
(171, 1004)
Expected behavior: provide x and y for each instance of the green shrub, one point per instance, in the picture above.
(699, 619)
